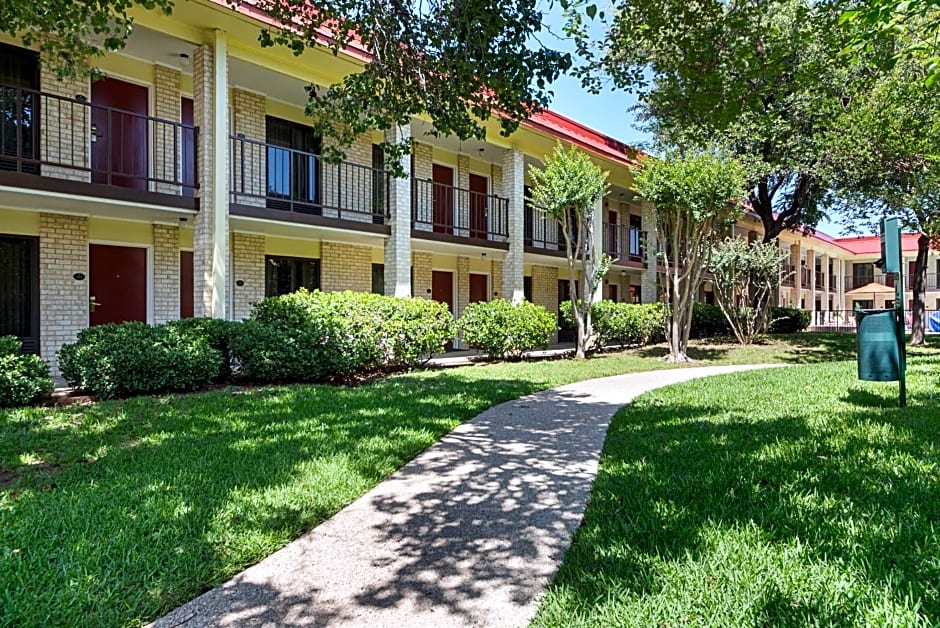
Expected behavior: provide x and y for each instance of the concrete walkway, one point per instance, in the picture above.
(469, 533)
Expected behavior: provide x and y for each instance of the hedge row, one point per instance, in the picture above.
(506, 330)
(24, 379)
(300, 337)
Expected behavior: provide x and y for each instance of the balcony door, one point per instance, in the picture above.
(443, 198)
(613, 242)
(294, 168)
(636, 224)
(119, 134)
(188, 145)
(479, 188)
(19, 110)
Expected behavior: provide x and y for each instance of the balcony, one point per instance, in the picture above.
(448, 213)
(624, 243)
(541, 234)
(70, 146)
(857, 281)
(278, 183)
(787, 274)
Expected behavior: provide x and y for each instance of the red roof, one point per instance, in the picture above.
(871, 245)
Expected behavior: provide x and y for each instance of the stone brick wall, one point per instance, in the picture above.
(247, 267)
(65, 129)
(248, 119)
(649, 291)
(166, 273)
(398, 244)
(345, 267)
(421, 262)
(166, 139)
(63, 300)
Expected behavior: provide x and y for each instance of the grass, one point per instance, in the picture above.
(799, 497)
(115, 513)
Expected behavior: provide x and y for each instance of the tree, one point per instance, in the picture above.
(763, 78)
(698, 198)
(567, 190)
(917, 22)
(461, 63)
(745, 278)
(888, 145)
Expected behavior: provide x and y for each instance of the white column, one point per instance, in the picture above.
(598, 229)
(398, 245)
(514, 190)
(210, 103)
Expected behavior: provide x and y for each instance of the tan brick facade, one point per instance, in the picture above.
(496, 280)
(345, 267)
(423, 170)
(347, 188)
(63, 300)
(166, 139)
(463, 284)
(248, 119)
(65, 130)
(166, 273)
(421, 282)
(545, 287)
(248, 270)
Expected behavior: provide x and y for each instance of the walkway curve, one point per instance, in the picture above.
(469, 533)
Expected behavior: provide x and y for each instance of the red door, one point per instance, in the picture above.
(478, 291)
(442, 291)
(188, 148)
(119, 119)
(186, 284)
(118, 284)
(612, 292)
(443, 199)
(478, 202)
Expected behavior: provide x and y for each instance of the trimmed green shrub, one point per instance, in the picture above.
(217, 333)
(24, 379)
(506, 330)
(124, 359)
(708, 321)
(312, 336)
(788, 320)
(626, 323)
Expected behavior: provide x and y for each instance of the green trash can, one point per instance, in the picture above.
(879, 358)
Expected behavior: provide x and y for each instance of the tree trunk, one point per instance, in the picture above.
(919, 288)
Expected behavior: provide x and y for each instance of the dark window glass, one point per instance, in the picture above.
(294, 169)
(378, 278)
(379, 210)
(862, 274)
(529, 225)
(283, 275)
(636, 294)
(19, 110)
(527, 288)
(19, 290)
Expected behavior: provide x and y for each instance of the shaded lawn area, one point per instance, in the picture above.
(115, 513)
(795, 497)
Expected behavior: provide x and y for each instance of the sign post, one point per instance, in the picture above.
(892, 261)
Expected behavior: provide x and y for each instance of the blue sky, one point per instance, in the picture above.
(607, 112)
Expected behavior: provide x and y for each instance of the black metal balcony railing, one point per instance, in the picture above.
(787, 274)
(805, 277)
(70, 138)
(274, 177)
(833, 287)
(458, 212)
(541, 232)
(931, 281)
(623, 242)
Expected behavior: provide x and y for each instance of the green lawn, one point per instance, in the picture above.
(115, 513)
(796, 497)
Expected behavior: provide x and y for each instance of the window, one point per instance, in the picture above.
(294, 169)
(862, 274)
(636, 295)
(283, 275)
(19, 110)
(636, 226)
(378, 278)
(19, 290)
(527, 288)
